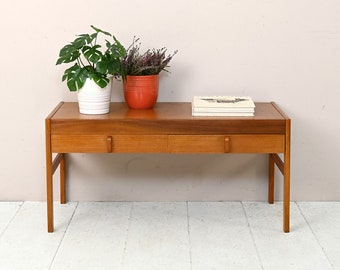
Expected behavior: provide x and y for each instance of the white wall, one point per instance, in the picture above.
(273, 50)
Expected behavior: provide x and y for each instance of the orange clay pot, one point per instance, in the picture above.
(141, 92)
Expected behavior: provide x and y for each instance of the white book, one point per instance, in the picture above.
(231, 102)
(226, 114)
(223, 110)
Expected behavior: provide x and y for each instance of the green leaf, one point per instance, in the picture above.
(109, 65)
(114, 68)
(79, 42)
(100, 31)
(67, 54)
(102, 66)
(92, 54)
(100, 80)
(116, 48)
(75, 76)
(88, 38)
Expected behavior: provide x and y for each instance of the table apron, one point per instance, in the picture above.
(226, 143)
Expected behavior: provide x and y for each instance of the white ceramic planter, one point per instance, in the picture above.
(94, 100)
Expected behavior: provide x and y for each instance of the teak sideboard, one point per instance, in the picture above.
(167, 128)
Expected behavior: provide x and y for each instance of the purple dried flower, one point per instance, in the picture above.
(151, 62)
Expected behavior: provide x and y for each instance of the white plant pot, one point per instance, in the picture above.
(94, 100)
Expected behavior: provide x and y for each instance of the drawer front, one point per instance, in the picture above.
(256, 143)
(81, 144)
(197, 144)
(226, 143)
(168, 143)
(139, 143)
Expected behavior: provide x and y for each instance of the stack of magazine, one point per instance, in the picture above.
(223, 106)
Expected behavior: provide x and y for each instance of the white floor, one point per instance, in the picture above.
(184, 236)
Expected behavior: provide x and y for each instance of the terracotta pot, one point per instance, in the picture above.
(141, 92)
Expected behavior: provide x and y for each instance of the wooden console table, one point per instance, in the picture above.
(168, 128)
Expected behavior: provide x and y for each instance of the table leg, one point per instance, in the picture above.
(62, 181)
(284, 167)
(49, 187)
(286, 191)
(51, 166)
(286, 201)
(50, 225)
(271, 180)
(286, 180)
(49, 176)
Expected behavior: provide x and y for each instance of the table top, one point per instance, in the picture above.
(166, 117)
(163, 110)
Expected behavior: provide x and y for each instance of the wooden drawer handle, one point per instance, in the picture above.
(227, 144)
(109, 144)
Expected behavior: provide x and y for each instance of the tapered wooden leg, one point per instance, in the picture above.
(49, 185)
(62, 181)
(271, 180)
(286, 181)
(286, 194)
(286, 203)
(49, 179)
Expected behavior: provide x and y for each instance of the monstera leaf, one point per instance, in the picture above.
(100, 80)
(75, 77)
(68, 54)
(92, 54)
(116, 49)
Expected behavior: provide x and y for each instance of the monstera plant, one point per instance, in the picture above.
(91, 60)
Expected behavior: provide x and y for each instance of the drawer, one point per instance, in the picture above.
(167, 143)
(226, 143)
(81, 143)
(197, 144)
(256, 143)
(139, 143)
